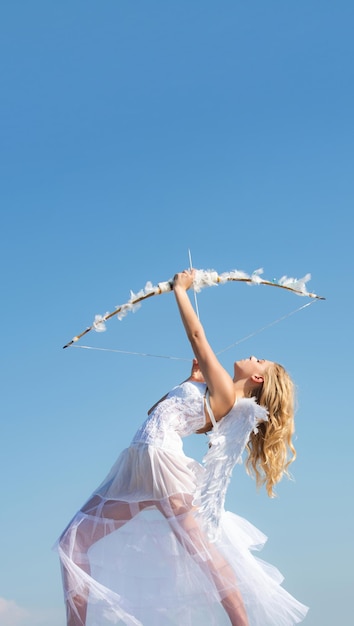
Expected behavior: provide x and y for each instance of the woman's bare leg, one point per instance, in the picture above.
(99, 518)
(235, 609)
(188, 531)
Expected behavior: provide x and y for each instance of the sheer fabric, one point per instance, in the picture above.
(137, 553)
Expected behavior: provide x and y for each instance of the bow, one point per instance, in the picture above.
(202, 278)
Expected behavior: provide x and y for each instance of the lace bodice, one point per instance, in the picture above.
(180, 414)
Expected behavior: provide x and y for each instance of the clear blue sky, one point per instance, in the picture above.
(130, 132)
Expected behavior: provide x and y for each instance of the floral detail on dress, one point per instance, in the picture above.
(174, 418)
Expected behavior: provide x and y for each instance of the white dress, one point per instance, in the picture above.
(139, 551)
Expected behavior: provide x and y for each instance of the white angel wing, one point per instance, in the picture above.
(227, 443)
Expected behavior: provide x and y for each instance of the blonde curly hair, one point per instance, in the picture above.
(271, 451)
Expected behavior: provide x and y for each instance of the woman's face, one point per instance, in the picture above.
(252, 366)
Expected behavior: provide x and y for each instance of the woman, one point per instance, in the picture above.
(153, 545)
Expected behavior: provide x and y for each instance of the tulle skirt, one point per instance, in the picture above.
(136, 554)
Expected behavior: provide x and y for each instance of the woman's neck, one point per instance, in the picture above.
(242, 388)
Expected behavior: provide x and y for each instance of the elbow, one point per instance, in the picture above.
(195, 336)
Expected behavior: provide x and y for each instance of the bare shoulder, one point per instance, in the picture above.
(220, 387)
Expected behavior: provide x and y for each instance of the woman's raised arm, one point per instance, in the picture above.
(219, 381)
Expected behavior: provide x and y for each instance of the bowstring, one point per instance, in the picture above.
(156, 356)
(180, 358)
(194, 291)
(260, 330)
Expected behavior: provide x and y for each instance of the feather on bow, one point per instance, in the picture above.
(203, 278)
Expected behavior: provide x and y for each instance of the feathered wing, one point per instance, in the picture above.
(226, 444)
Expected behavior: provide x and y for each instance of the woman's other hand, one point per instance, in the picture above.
(196, 373)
